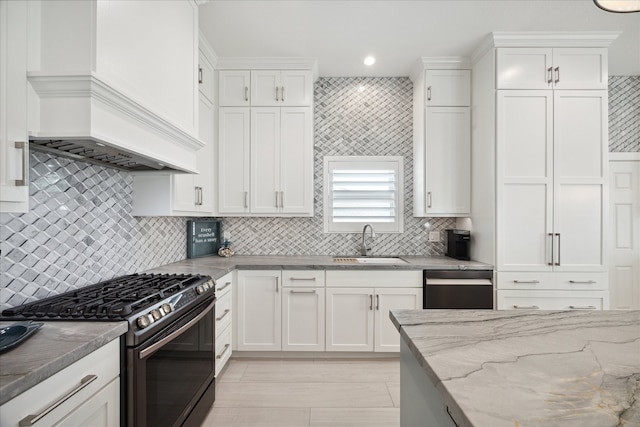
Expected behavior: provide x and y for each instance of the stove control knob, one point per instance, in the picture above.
(166, 308)
(156, 314)
(143, 322)
(200, 289)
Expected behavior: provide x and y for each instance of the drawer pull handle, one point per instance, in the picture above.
(226, 285)
(526, 307)
(582, 282)
(313, 291)
(30, 420)
(582, 307)
(226, 347)
(226, 311)
(24, 180)
(526, 281)
(313, 279)
(246, 93)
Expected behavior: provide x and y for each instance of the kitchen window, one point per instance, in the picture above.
(363, 190)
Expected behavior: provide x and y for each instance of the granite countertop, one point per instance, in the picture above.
(543, 368)
(52, 348)
(217, 267)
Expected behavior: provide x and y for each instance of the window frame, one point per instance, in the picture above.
(363, 162)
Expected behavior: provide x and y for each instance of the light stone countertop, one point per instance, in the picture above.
(533, 368)
(217, 267)
(52, 348)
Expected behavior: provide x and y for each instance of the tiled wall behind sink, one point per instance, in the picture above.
(79, 231)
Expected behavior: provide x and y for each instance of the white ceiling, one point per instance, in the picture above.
(340, 33)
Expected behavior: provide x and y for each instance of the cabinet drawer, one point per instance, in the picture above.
(223, 285)
(553, 300)
(223, 349)
(375, 278)
(581, 281)
(224, 313)
(302, 278)
(524, 280)
(103, 363)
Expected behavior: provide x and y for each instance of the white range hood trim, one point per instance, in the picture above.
(84, 107)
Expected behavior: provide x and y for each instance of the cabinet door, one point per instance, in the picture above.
(233, 160)
(101, 410)
(14, 159)
(303, 319)
(259, 310)
(524, 68)
(524, 175)
(206, 77)
(448, 160)
(349, 324)
(265, 88)
(234, 88)
(296, 161)
(387, 337)
(296, 88)
(265, 159)
(580, 68)
(580, 180)
(206, 159)
(448, 88)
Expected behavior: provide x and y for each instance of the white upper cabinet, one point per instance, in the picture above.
(14, 142)
(234, 88)
(552, 68)
(448, 88)
(271, 88)
(233, 160)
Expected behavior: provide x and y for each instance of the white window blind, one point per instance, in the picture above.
(363, 190)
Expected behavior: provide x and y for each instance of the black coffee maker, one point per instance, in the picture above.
(458, 244)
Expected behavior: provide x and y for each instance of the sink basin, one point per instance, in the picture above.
(369, 260)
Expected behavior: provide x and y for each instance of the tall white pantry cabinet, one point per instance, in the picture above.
(540, 168)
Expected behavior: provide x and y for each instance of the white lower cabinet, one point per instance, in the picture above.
(552, 300)
(259, 310)
(303, 319)
(86, 393)
(387, 337)
(224, 322)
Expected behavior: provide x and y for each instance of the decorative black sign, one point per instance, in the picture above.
(203, 237)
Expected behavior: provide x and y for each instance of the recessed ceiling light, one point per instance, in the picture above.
(369, 60)
(620, 6)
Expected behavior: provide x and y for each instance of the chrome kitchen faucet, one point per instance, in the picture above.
(363, 245)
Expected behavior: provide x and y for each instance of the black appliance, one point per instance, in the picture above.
(458, 244)
(457, 289)
(169, 348)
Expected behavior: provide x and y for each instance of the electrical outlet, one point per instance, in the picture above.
(434, 236)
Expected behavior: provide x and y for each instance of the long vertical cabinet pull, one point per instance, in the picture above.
(378, 302)
(551, 239)
(429, 199)
(429, 93)
(558, 234)
(370, 302)
(549, 75)
(246, 93)
(200, 75)
(277, 89)
(282, 94)
(246, 197)
(557, 75)
(24, 146)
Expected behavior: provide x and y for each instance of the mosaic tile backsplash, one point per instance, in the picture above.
(624, 114)
(80, 229)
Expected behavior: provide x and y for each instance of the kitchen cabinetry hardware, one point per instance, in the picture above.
(429, 93)
(526, 307)
(582, 282)
(429, 199)
(30, 420)
(451, 416)
(550, 75)
(277, 89)
(557, 75)
(370, 302)
(226, 285)
(226, 347)
(526, 281)
(277, 284)
(303, 278)
(551, 259)
(24, 180)
(582, 307)
(246, 93)
(377, 302)
(246, 195)
(226, 311)
(199, 75)
(282, 94)
(558, 235)
(293, 291)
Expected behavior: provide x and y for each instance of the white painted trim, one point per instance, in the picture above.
(261, 63)
(624, 157)
(205, 47)
(439, 63)
(554, 39)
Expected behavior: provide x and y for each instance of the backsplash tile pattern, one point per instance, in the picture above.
(79, 231)
(624, 114)
(353, 117)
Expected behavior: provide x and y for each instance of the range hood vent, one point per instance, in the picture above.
(97, 153)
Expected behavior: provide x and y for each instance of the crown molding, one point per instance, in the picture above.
(205, 47)
(439, 63)
(275, 63)
(554, 39)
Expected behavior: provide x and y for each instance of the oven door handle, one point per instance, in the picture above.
(156, 346)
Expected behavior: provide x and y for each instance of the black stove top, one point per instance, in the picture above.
(111, 300)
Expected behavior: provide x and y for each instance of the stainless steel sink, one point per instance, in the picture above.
(369, 260)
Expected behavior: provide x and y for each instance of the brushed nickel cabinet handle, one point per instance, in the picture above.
(277, 284)
(282, 94)
(429, 199)
(24, 180)
(429, 93)
(557, 75)
(370, 302)
(526, 307)
(30, 420)
(226, 311)
(549, 75)
(199, 75)
(521, 282)
(226, 285)
(246, 93)
(582, 307)
(377, 301)
(293, 291)
(226, 347)
(303, 278)
(277, 89)
(582, 282)
(246, 196)
(558, 234)
(551, 259)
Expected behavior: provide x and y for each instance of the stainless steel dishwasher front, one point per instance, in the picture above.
(457, 289)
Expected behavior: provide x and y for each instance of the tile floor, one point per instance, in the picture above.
(309, 393)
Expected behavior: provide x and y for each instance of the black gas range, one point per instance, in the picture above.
(169, 346)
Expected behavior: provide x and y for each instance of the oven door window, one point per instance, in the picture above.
(177, 374)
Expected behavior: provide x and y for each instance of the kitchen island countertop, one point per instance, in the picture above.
(514, 368)
(217, 267)
(52, 348)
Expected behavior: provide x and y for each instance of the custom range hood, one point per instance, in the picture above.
(84, 118)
